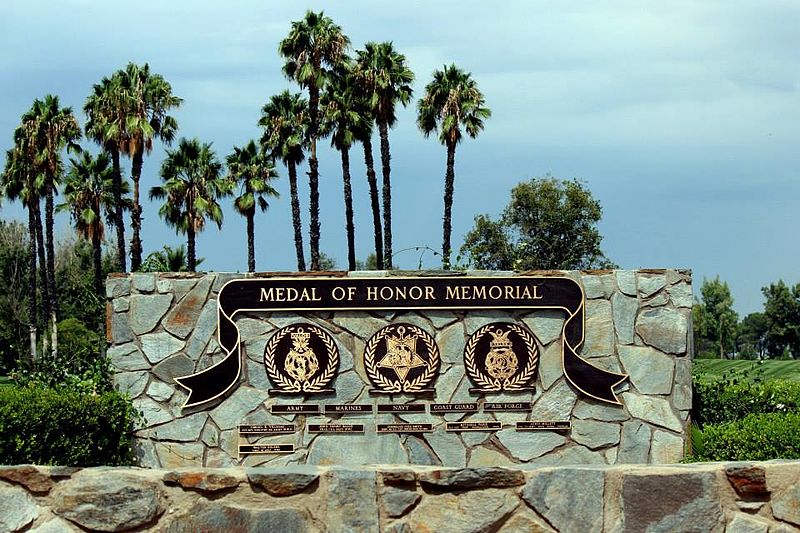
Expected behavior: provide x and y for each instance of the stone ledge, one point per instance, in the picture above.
(702, 496)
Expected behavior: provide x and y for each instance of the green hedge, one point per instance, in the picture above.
(718, 401)
(757, 437)
(59, 427)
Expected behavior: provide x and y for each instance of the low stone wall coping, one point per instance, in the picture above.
(731, 497)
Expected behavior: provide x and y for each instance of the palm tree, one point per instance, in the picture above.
(192, 186)
(314, 45)
(343, 121)
(105, 127)
(284, 121)
(253, 170)
(19, 181)
(51, 128)
(168, 259)
(452, 104)
(146, 100)
(89, 197)
(386, 80)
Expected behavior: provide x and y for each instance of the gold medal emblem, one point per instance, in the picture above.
(501, 357)
(401, 358)
(301, 359)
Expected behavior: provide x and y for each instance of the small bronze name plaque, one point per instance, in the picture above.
(336, 428)
(264, 429)
(495, 407)
(405, 428)
(344, 409)
(535, 425)
(454, 408)
(401, 408)
(246, 449)
(473, 426)
(295, 408)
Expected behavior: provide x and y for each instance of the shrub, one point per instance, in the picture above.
(79, 365)
(757, 437)
(59, 427)
(720, 401)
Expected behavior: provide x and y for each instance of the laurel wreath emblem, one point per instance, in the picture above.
(514, 383)
(286, 384)
(417, 384)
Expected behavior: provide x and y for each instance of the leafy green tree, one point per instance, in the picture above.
(326, 262)
(343, 121)
(145, 100)
(16, 303)
(192, 187)
(253, 171)
(452, 105)
(782, 312)
(314, 46)
(548, 224)
(385, 79)
(751, 336)
(106, 126)
(89, 198)
(284, 121)
(716, 321)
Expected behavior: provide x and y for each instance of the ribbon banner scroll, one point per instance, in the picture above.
(309, 294)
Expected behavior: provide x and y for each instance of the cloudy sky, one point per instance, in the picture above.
(682, 117)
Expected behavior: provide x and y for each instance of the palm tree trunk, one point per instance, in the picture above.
(313, 177)
(348, 210)
(97, 255)
(251, 241)
(136, 213)
(119, 223)
(449, 179)
(191, 259)
(373, 196)
(383, 128)
(49, 222)
(298, 229)
(32, 319)
(37, 213)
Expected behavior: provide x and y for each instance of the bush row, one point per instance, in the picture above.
(718, 401)
(757, 437)
(62, 427)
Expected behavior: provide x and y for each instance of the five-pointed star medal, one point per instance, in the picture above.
(401, 356)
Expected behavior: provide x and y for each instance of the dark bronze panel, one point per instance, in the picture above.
(248, 449)
(402, 358)
(454, 408)
(301, 359)
(473, 426)
(336, 428)
(404, 428)
(295, 409)
(266, 429)
(401, 408)
(536, 425)
(496, 407)
(347, 409)
(501, 357)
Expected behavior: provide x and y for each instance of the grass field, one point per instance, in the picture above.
(789, 370)
(4, 381)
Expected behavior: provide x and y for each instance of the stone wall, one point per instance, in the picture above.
(713, 497)
(162, 326)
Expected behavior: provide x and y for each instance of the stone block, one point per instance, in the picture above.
(663, 328)
(570, 499)
(546, 325)
(286, 481)
(147, 310)
(17, 508)
(351, 504)
(469, 512)
(594, 434)
(181, 320)
(649, 370)
(599, 330)
(652, 409)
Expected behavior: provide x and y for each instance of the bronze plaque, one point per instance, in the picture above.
(404, 428)
(462, 293)
(501, 357)
(473, 426)
(336, 428)
(454, 408)
(498, 407)
(249, 449)
(541, 425)
(346, 409)
(301, 359)
(402, 358)
(266, 429)
(295, 409)
(401, 408)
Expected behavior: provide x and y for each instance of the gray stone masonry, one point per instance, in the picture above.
(709, 497)
(161, 326)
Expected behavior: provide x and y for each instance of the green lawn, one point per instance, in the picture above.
(789, 370)
(4, 381)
